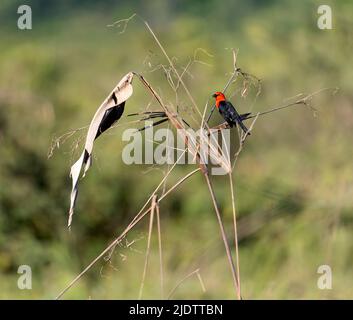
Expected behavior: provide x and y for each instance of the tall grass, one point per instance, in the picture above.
(151, 206)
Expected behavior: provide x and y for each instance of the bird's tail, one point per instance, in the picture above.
(244, 116)
(242, 126)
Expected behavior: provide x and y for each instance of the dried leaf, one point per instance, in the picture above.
(102, 120)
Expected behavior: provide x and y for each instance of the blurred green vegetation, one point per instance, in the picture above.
(293, 179)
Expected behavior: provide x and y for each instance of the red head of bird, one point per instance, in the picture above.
(219, 98)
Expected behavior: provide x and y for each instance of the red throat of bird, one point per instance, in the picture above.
(219, 98)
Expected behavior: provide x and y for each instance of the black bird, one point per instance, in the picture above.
(229, 113)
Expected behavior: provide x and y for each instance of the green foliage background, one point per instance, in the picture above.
(293, 179)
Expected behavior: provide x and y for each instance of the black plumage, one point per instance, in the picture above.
(231, 115)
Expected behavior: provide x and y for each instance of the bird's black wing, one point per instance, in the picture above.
(112, 115)
(226, 113)
(234, 116)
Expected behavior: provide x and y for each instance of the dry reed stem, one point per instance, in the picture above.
(160, 249)
(235, 233)
(150, 228)
(117, 240)
(56, 142)
(180, 81)
(159, 185)
(173, 68)
(197, 272)
(178, 125)
(224, 237)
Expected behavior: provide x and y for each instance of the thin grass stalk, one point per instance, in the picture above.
(174, 69)
(178, 125)
(134, 222)
(185, 278)
(160, 250)
(235, 233)
(224, 237)
(150, 228)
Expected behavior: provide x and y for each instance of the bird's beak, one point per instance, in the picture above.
(214, 95)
